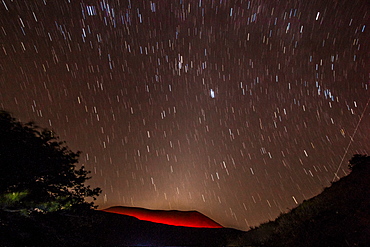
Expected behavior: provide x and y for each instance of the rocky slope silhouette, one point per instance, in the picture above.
(339, 216)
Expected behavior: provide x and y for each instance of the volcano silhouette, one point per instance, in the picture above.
(168, 217)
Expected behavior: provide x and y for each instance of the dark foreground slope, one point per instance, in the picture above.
(97, 228)
(339, 216)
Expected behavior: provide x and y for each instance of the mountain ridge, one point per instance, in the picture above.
(99, 228)
(170, 217)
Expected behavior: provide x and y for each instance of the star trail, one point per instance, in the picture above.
(237, 109)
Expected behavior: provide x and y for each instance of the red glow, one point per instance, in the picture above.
(173, 217)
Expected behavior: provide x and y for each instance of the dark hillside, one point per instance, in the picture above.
(98, 228)
(339, 216)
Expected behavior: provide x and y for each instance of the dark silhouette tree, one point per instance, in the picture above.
(359, 162)
(38, 172)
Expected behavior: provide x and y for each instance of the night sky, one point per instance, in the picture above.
(237, 109)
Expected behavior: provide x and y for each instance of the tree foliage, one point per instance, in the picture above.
(38, 171)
